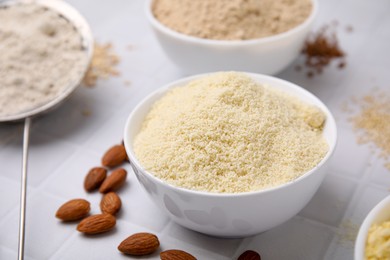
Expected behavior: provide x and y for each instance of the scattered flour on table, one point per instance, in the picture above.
(226, 133)
(231, 19)
(41, 55)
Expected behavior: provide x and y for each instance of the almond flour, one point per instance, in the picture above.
(41, 56)
(371, 121)
(378, 242)
(103, 64)
(225, 133)
(231, 19)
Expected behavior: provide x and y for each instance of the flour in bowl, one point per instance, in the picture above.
(226, 133)
(41, 56)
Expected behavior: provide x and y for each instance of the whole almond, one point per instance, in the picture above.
(73, 210)
(114, 181)
(114, 156)
(249, 255)
(139, 244)
(94, 178)
(96, 224)
(175, 254)
(111, 203)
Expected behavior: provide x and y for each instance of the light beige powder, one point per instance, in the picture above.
(378, 242)
(226, 133)
(231, 19)
(41, 55)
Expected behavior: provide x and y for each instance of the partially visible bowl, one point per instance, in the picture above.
(267, 55)
(379, 214)
(230, 215)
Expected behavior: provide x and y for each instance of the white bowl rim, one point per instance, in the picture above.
(159, 26)
(133, 160)
(360, 244)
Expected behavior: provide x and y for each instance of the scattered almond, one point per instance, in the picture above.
(114, 181)
(139, 244)
(115, 156)
(111, 203)
(94, 178)
(175, 254)
(73, 210)
(249, 255)
(97, 224)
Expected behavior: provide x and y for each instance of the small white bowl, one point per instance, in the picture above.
(267, 55)
(379, 214)
(230, 215)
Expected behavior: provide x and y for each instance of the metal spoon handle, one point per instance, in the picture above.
(23, 190)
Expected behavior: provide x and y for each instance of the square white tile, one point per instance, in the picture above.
(45, 155)
(295, 239)
(44, 233)
(331, 200)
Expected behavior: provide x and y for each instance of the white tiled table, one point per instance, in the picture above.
(66, 143)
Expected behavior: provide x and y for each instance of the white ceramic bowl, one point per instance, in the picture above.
(230, 215)
(379, 214)
(268, 55)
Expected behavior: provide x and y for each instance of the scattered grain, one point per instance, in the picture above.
(127, 83)
(371, 122)
(348, 232)
(321, 48)
(103, 64)
(349, 28)
(86, 112)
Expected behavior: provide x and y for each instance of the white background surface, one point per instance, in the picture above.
(66, 143)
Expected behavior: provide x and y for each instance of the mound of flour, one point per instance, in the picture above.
(41, 55)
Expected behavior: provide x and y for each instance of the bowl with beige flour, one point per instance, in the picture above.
(230, 154)
(262, 36)
(373, 239)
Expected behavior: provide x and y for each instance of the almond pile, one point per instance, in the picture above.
(97, 179)
(141, 244)
(138, 244)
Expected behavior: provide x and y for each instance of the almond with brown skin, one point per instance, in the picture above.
(114, 181)
(96, 224)
(114, 156)
(175, 254)
(73, 210)
(94, 178)
(111, 203)
(249, 255)
(139, 244)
